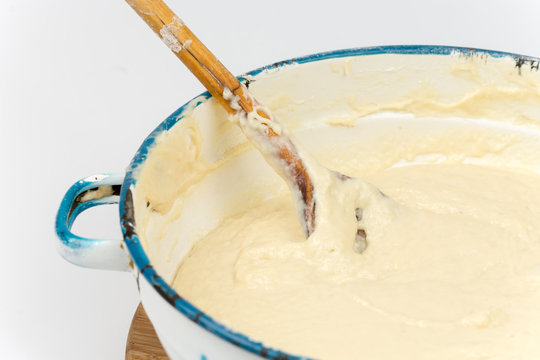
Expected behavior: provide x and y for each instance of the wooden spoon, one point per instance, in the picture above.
(261, 128)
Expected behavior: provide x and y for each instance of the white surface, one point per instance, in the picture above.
(83, 82)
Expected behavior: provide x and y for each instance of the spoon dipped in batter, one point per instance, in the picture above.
(328, 204)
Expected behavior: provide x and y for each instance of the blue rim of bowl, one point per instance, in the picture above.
(127, 218)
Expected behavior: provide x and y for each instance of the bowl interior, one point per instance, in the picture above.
(350, 102)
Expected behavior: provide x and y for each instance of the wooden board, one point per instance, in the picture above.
(142, 342)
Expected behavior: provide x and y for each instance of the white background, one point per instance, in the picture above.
(83, 82)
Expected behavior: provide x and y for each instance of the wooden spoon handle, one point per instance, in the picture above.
(187, 47)
(217, 79)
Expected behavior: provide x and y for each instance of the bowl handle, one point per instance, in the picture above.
(92, 253)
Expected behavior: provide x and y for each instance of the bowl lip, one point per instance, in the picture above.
(127, 218)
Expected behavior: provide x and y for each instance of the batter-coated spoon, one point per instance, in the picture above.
(257, 123)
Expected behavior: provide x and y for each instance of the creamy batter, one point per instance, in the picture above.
(455, 275)
(452, 267)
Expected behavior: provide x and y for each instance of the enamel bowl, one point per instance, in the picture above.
(315, 92)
